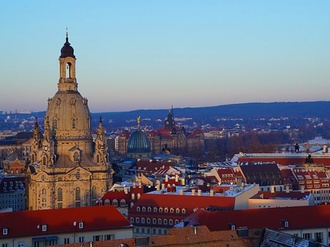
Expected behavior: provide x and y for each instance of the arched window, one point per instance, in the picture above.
(123, 203)
(184, 210)
(166, 210)
(138, 209)
(94, 196)
(155, 209)
(44, 198)
(165, 221)
(170, 222)
(148, 220)
(143, 209)
(160, 210)
(133, 196)
(142, 220)
(68, 70)
(137, 220)
(138, 196)
(177, 221)
(76, 156)
(172, 210)
(149, 209)
(97, 158)
(115, 202)
(132, 219)
(60, 194)
(154, 221)
(160, 221)
(44, 160)
(77, 197)
(177, 210)
(106, 202)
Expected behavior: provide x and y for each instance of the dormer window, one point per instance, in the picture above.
(4, 231)
(81, 225)
(44, 228)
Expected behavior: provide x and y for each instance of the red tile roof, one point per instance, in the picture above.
(25, 223)
(304, 217)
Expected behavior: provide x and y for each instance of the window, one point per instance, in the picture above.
(172, 210)
(66, 240)
(60, 194)
(149, 209)
(81, 239)
(123, 203)
(160, 210)
(148, 220)
(132, 220)
(307, 235)
(77, 194)
(20, 244)
(44, 228)
(115, 202)
(166, 210)
(97, 238)
(81, 224)
(137, 220)
(183, 211)
(170, 222)
(4, 231)
(4, 245)
(109, 237)
(73, 123)
(138, 209)
(154, 221)
(177, 210)
(319, 237)
(176, 221)
(133, 196)
(155, 209)
(143, 209)
(142, 220)
(165, 221)
(106, 202)
(160, 221)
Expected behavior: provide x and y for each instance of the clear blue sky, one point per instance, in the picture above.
(153, 54)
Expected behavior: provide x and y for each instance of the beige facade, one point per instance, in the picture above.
(68, 168)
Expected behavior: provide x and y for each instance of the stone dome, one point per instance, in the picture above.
(138, 143)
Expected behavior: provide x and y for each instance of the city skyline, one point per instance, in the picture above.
(151, 55)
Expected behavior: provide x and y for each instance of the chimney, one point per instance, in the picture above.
(166, 178)
(287, 189)
(211, 192)
(325, 149)
(176, 178)
(192, 192)
(199, 192)
(163, 186)
(181, 192)
(183, 182)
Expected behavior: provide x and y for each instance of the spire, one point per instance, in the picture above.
(138, 120)
(67, 50)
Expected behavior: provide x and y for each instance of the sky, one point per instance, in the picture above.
(154, 54)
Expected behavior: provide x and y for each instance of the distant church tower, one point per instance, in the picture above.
(67, 168)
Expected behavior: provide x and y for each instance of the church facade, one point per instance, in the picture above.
(67, 167)
(170, 138)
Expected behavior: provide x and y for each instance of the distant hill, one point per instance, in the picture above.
(319, 109)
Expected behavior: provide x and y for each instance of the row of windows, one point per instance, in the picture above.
(154, 221)
(115, 202)
(161, 210)
(148, 231)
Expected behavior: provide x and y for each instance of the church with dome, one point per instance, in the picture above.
(170, 139)
(67, 167)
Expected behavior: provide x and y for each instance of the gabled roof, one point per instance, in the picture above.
(273, 218)
(25, 223)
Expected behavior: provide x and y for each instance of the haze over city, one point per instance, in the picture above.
(154, 54)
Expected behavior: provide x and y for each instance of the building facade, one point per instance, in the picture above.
(68, 168)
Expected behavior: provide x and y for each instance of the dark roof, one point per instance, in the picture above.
(138, 143)
(67, 50)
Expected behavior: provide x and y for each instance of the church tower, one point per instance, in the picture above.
(68, 169)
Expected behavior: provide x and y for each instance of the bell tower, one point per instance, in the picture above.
(67, 61)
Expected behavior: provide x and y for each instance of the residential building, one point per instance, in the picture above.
(63, 226)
